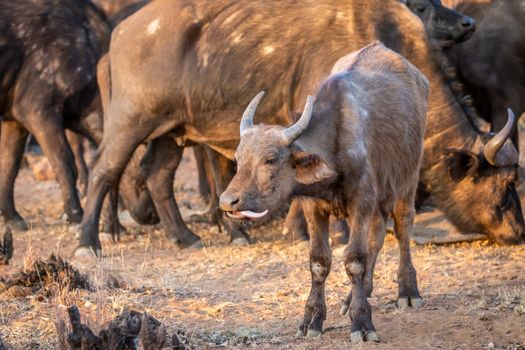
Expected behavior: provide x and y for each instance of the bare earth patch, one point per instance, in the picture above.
(234, 297)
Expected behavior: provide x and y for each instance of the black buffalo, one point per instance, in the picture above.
(491, 64)
(48, 55)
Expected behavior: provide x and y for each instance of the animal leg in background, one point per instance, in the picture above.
(49, 133)
(222, 172)
(404, 214)
(77, 146)
(112, 157)
(204, 185)
(164, 156)
(12, 141)
(295, 222)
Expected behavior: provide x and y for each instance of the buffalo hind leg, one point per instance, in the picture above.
(112, 157)
(52, 138)
(376, 238)
(204, 185)
(12, 142)
(320, 264)
(403, 214)
(222, 172)
(164, 156)
(77, 146)
(355, 261)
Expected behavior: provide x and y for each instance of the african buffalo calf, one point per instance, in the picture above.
(355, 152)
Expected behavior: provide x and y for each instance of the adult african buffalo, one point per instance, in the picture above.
(341, 155)
(48, 54)
(189, 78)
(444, 26)
(491, 64)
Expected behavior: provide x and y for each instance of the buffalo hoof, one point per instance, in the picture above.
(17, 224)
(299, 333)
(196, 246)
(344, 309)
(86, 252)
(406, 302)
(240, 241)
(72, 218)
(416, 303)
(312, 333)
(372, 336)
(286, 231)
(356, 337)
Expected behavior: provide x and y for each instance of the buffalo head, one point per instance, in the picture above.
(269, 165)
(134, 193)
(443, 25)
(479, 194)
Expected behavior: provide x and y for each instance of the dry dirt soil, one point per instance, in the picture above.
(252, 297)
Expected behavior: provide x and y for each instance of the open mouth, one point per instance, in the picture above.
(246, 214)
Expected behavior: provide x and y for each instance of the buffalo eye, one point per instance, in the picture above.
(270, 161)
(421, 9)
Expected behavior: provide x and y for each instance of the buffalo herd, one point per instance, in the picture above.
(401, 100)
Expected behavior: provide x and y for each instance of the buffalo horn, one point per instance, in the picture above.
(494, 145)
(247, 116)
(291, 133)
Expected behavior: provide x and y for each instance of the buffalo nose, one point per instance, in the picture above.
(467, 22)
(227, 201)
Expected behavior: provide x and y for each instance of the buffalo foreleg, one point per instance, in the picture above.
(376, 238)
(404, 213)
(12, 141)
(112, 157)
(164, 158)
(320, 264)
(355, 261)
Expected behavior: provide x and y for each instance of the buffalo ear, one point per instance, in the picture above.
(311, 168)
(461, 164)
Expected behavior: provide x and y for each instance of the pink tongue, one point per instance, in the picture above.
(247, 214)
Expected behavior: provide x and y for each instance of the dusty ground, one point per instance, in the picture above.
(235, 297)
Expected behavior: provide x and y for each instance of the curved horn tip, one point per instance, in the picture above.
(291, 133)
(492, 147)
(247, 116)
